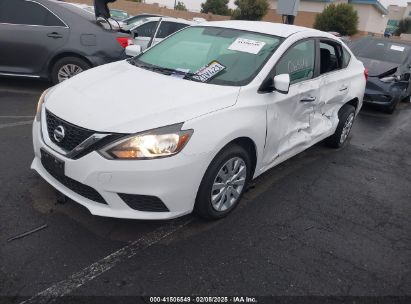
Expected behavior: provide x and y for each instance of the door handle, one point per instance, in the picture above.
(343, 88)
(54, 35)
(308, 99)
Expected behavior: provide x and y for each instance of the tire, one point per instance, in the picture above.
(346, 117)
(208, 201)
(68, 65)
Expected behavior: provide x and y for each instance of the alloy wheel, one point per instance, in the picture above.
(228, 184)
(347, 128)
(67, 71)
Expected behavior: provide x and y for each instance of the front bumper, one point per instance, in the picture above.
(174, 180)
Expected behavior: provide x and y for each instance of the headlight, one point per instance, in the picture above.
(162, 142)
(40, 104)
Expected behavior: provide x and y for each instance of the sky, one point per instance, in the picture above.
(195, 5)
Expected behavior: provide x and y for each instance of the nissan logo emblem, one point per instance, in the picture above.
(59, 133)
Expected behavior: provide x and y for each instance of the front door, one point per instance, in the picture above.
(289, 115)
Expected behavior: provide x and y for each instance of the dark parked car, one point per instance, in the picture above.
(388, 62)
(54, 40)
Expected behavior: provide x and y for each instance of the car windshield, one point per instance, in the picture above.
(119, 15)
(209, 54)
(389, 51)
(132, 26)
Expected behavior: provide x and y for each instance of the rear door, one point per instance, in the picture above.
(29, 34)
(335, 83)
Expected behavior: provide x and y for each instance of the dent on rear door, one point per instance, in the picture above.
(334, 88)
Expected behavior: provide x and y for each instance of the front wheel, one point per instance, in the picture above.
(224, 183)
(346, 117)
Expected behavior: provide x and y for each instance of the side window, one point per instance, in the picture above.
(52, 20)
(147, 29)
(168, 28)
(330, 56)
(346, 58)
(298, 62)
(26, 13)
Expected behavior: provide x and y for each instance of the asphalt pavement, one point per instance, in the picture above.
(326, 222)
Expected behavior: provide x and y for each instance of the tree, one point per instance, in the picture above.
(250, 9)
(218, 7)
(341, 18)
(404, 26)
(180, 6)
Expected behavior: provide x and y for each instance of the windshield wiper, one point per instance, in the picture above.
(165, 71)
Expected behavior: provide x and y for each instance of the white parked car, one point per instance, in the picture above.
(151, 30)
(113, 23)
(215, 106)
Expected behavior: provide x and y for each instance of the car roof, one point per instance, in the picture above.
(389, 40)
(276, 29)
(170, 19)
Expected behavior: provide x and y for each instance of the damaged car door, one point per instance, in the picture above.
(335, 83)
(289, 115)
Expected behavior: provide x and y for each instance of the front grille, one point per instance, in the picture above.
(144, 202)
(73, 185)
(74, 135)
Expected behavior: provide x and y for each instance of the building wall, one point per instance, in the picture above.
(305, 6)
(371, 20)
(135, 8)
(396, 12)
(302, 19)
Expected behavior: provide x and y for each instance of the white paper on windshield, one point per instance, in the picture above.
(209, 71)
(397, 48)
(182, 73)
(247, 46)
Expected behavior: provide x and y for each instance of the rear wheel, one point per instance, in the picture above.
(223, 183)
(67, 67)
(346, 117)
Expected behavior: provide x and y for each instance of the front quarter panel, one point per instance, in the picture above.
(212, 132)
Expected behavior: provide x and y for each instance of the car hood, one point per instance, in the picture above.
(377, 67)
(122, 98)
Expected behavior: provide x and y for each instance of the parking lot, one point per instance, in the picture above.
(326, 222)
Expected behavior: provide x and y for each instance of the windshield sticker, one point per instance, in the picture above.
(247, 46)
(209, 71)
(180, 73)
(397, 48)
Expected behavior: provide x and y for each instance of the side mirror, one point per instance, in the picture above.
(282, 83)
(133, 50)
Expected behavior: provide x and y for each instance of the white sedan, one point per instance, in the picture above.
(151, 30)
(187, 124)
